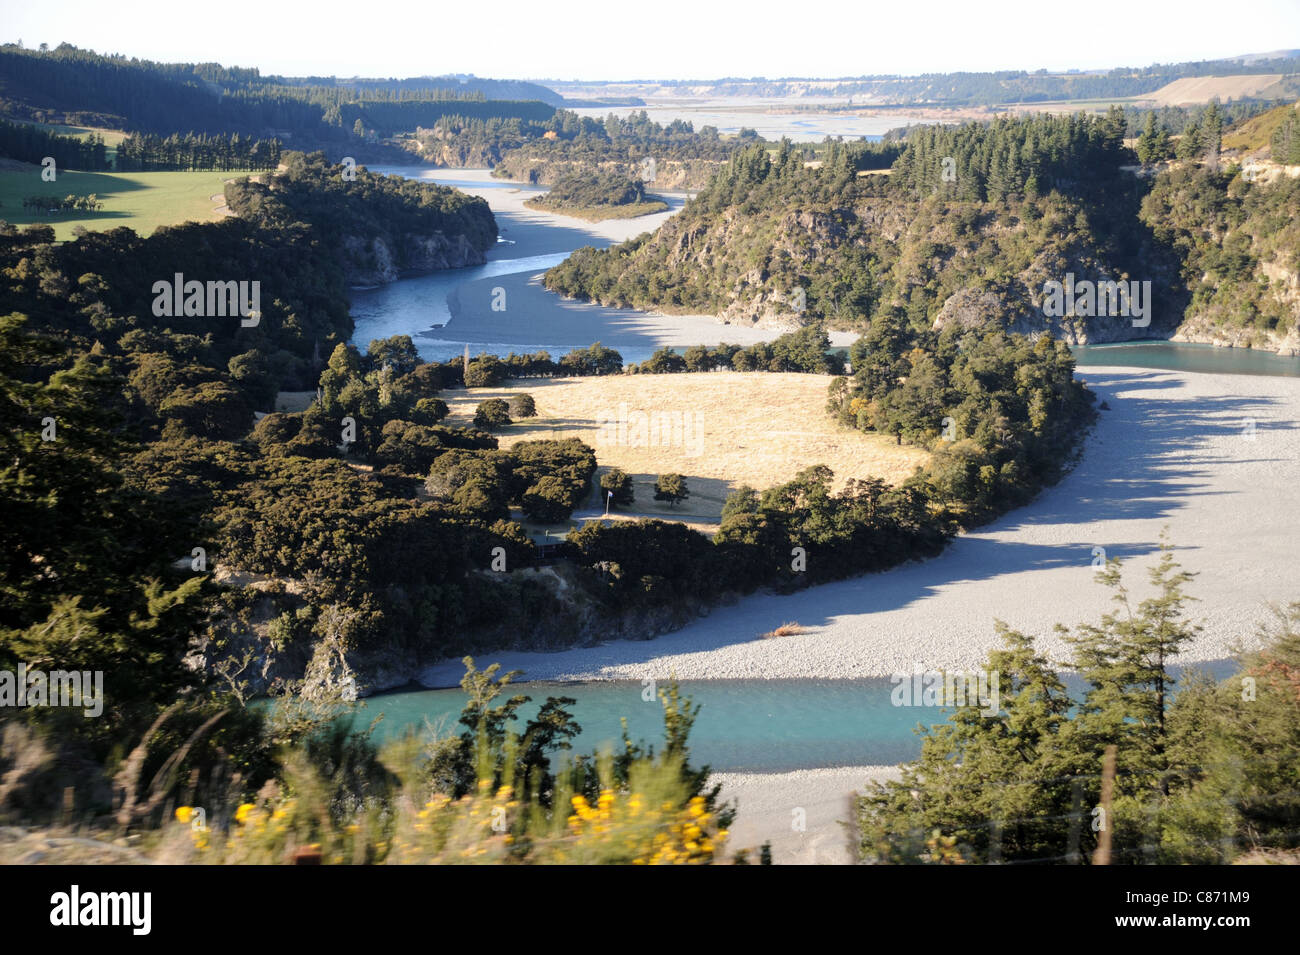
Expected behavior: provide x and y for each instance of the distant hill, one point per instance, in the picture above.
(84, 88)
(1201, 89)
(460, 83)
(963, 89)
(1257, 132)
(1252, 58)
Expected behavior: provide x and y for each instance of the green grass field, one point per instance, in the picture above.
(141, 200)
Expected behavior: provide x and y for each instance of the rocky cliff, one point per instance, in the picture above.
(253, 644)
(375, 261)
(782, 263)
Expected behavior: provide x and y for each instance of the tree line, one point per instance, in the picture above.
(30, 143)
(142, 152)
(164, 98)
(70, 203)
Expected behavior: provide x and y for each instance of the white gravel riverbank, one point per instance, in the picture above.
(802, 814)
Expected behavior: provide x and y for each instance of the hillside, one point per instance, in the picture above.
(1201, 89)
(780, 244)
(1257, 132)
(971, 227)
(377, 227)
(80, 87)
(1238, 242)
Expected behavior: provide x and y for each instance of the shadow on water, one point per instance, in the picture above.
(1185, 356)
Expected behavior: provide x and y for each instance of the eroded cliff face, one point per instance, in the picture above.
(376, 262)
(260, 647)
(1021, 308)
(460, 155)
(1201, 330)
(1211, 325)
(935, 246)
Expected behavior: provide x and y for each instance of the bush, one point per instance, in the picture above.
(429, 410)
(671, 488)
(485, 371)
(523, 406)
(492, 414)
(618, 483)
(550, 500)
(276, 430)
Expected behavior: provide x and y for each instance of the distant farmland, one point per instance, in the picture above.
(1201, 89)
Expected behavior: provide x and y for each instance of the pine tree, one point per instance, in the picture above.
(1126, 660)
(985, 781)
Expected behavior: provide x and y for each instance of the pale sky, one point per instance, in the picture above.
(666, 39)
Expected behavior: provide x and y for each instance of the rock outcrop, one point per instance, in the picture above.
(260, 652)
(375, 262)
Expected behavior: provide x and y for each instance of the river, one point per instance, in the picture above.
(750, 725)
(743, 725)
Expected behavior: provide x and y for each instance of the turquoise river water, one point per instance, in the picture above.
(743, 725)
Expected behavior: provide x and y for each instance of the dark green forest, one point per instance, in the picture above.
(141, 152)
(80, 87)
(31, 143)
(346, 205)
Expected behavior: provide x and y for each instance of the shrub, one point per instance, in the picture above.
(485, 371)
(429, 411)
(787, 629)
(671, 488)
(618, 483)
(492, 414)
(523, 406)
(550, 500)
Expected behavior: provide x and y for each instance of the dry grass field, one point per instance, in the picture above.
(718, 429)
(1256, 132)
(1201, 89)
